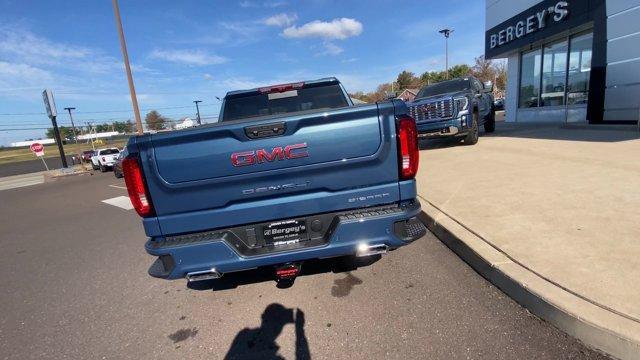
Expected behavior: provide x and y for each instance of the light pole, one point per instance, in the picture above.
(198, 110)
(446, 33)
(125, 58)
(75, 137)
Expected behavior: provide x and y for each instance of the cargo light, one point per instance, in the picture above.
(136, 187)
(408, 152)
(281, 88)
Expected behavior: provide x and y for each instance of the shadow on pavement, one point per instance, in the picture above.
(260, 343)
(568, 132)
(310, 267)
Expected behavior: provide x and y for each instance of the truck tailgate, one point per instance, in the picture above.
(349, 160)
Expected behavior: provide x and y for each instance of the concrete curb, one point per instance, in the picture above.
(593, 325)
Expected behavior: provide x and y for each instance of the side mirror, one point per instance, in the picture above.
(488, 86)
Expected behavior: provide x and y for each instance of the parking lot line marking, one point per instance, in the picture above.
(122, 202)
(118, 187)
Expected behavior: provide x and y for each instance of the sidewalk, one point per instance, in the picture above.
(554, 211)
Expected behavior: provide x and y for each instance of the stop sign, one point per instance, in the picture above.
(37, 148)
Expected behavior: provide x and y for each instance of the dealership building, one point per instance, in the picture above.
(574, 61)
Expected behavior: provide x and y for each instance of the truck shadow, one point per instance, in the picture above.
(260, 343)
(438, 143)
(310, 267)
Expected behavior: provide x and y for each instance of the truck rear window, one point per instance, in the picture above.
(304, 99)
(109, 151)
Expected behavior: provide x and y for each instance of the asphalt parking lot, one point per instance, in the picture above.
(75, 286)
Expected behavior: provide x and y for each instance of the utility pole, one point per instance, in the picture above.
(75, 137)
(125, 57)
(91, 136)
(198, 110)
(446, 33)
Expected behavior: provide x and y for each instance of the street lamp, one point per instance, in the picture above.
(198, 110)
(75, 137)
(446, 33)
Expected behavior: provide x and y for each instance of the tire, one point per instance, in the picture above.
(117, 174)
(103, 168)
(472, 136)
(94, 166)
(490, 121)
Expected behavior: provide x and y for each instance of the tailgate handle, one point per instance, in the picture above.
(266, 130)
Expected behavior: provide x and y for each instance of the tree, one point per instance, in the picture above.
(458, 71)
(123, 126)
(484, 69)
(65, 133)
(102, 128)
(406, 79)
(155, 121)
(500, 69)
(432, 77)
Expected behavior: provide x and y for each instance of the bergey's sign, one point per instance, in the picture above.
(530, 24)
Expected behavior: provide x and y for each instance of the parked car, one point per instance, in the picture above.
(291, 172)
(117, 166)
(454, 108)
(498, 104)
(104, 159)
(87, 155)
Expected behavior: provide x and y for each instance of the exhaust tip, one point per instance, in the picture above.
(203, 275)
(368, 250)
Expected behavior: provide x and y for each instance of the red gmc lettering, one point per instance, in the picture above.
(278, 153)
(299, 149)
(243, 158)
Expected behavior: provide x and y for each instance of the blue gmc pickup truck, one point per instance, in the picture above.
(290, 172)
(454, 108)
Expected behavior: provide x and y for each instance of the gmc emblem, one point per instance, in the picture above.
(278, 153)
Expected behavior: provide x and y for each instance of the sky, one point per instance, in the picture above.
(182, 51)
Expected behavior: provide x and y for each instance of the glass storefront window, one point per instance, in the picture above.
(554, 74)
(558, 74)
(530, 78)
(579, 69)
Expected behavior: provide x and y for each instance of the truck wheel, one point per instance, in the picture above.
(472, 136)
(490, 121)
(94, 166)
(103, 168)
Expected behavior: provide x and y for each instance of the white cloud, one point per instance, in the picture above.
(188, 57)
(266, 4)
(207, 76)
(280, 20)
(26, 45)
(274, 4)
(331, 49)
(336, 29)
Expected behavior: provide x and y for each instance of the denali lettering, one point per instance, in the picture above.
(279, 153)
(531, 24)
(263, 189)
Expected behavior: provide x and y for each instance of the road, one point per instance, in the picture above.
(74, 286)
(31, 166)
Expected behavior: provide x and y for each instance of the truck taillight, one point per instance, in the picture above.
(104, 158)
(136, 187)
(408, 152)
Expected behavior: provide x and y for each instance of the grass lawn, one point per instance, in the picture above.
(23, 154)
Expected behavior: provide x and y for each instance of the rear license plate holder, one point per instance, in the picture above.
(285, 232)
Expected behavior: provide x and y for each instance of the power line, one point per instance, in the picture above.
(107, 111)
